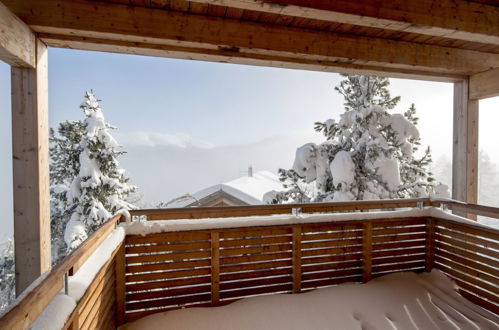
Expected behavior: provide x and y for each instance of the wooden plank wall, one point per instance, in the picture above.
(97, 308)
(214, 267)
(470, 256)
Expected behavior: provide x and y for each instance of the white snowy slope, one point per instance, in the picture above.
(395, 301)
(249, 189)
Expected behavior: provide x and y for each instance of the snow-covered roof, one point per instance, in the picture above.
(249, 189)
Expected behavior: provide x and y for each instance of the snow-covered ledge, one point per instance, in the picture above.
(58, 311)
(159, 226)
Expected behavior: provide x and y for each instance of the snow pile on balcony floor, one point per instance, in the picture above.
(395, 301)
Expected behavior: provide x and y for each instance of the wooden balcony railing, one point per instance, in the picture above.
(211, 267)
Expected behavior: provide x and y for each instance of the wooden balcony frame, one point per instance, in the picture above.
(465, 251)
(29, 26)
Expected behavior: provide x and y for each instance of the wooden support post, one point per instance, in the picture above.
(430, 244)
(215, 268)
(465, 146)
(120, 285)
(367, 251)
(297, 259)
(31, 170)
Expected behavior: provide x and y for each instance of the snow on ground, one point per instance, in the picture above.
(395, 301)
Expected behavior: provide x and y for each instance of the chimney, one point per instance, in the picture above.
(250, 171)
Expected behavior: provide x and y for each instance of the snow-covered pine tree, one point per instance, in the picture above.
(369, 154)
(65, 152)
(100, 187)
(7, 275)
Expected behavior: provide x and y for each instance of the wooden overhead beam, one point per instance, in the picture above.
(116, 22)
(17, 41)
(30, 153)
(484, 84)
(200, 54)
(465, 145)
(459, 19)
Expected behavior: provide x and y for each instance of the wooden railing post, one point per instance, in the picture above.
(215, 268)
(120, 285)
(367, 240)
(297, 259)
(430, 242)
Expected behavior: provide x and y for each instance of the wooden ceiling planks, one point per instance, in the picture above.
(401, 44)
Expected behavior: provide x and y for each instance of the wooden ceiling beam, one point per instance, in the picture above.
(17, 41)
(233, 38)
(215, 55)
(457, 19)
(484, 84)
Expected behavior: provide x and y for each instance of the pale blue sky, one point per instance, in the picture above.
(223, 105)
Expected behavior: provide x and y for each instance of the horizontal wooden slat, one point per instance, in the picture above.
(331, 235)
(399, 230)
(468, 254)
(342, 226)
(472, 288)
(470, 279)
(255, 249)
(465, 245)
(490, 244)
(471, 228)
(332, 258)
(167, 247)
(168, 292)
(398, 266)
(254, 266)
(168, 237)
(167, 266)
(256, 282)
(167, 257)
(166, 275)
(331, 281)
(331, 274)
(249, 233)
(400, 222)
(256, 257)
(397, 259)
(477, 300)
(318, 252)
(254, 274)
(253, 241)
(469, 263)
(398, 238)
(397, 245)
(492, 278)
(255, 291)
(336, 265)
(167, 302)
(398, 252)
(338, 242)
(167, 283)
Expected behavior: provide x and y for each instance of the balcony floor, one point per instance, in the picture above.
(395, 301)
